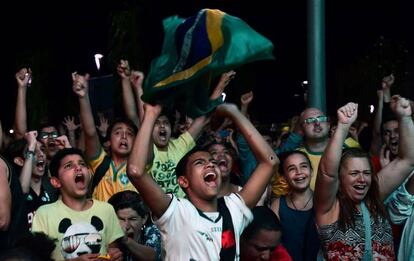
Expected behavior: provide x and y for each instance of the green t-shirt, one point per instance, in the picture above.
(165, 162)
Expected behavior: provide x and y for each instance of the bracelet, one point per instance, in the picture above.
(29, 154)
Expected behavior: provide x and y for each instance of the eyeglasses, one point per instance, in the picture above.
(45, 135)
(71, 243)
(312, 120)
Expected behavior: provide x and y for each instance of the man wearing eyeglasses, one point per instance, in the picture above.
(47, 136)
(315, 126)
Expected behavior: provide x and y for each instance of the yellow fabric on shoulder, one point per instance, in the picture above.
(279, 185)
(115, 179)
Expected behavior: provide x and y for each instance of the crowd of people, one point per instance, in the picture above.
(157, 184)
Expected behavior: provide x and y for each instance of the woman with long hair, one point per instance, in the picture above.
(350, 215)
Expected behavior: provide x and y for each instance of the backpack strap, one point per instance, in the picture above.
(367, 225)
(228, 240)
(100, 171)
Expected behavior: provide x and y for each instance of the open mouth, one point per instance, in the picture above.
(163, 135)
(210, 179)
(395, 143)
(52, 145)
(360, 188)
(123, 144)
(40, 165)
(222, 163)
(299, 180)
(80, 179)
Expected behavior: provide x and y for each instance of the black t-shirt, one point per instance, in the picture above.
(18, 218)
(34, 201)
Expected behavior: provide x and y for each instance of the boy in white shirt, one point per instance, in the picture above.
(201, 227)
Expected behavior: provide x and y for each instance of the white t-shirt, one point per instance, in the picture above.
(186, 235)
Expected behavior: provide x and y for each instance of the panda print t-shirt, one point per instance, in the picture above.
(78, 232)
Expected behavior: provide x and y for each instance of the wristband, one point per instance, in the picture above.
(29, 154)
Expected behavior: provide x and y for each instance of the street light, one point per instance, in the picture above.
(98, 58)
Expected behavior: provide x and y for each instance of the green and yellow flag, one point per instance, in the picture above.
(197, 49)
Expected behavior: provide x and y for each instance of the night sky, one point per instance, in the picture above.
(68, 33)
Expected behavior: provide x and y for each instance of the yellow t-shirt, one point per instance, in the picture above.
(88, 231)
(165, 162)
(115, 179)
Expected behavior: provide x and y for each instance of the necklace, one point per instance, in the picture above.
(307, 202)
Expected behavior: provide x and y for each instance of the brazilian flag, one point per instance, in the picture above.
(195, 50)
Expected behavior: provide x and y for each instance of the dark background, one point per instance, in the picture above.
(365, 40)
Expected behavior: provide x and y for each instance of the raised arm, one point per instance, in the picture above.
(20, 119)
(386, 85)
(130, 107)
(26, 172)
(1, 137)
(151, 192)
(245, 101)
(327, 181)
(198, 124)
(393, 174)
(5, 196)
(81, 88)
(137, 78)
(266, 158)
(71, 126)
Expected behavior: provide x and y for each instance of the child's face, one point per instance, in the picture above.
(297, 171)
(121, 140)
(223, 157)
(74, 176)
(203, 175)
(162, 131)
(38, 168)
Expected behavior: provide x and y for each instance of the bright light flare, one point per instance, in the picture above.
(98, 58)
(371, 108)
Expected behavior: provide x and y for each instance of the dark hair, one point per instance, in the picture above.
(36, 246)
(180, 169)
(125, 121)
(16, 149)
(55, 162)
(129, 199)
(167, 112)
(46, 124)
(227, 145)
(263, 218)
(348, 209)
(284, 155)
(386, 120)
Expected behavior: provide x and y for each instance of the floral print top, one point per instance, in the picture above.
(349, 244)
(152, 238)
